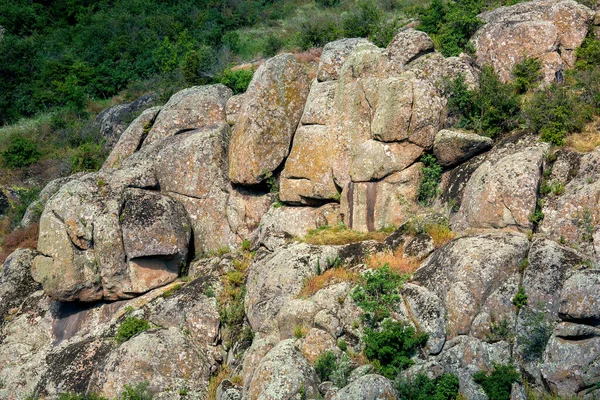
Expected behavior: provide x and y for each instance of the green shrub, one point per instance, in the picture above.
(444, 387)
(520, 299)
(88, 157)
(328, 3)
(490, 109)
(391, 348)
(535, 335)
(363, 21)
(342, 371)
(343, 346)
(21, 152)
(556, 112)
(139, 391)
(238, 80)
(432, 175)
(26, 197)
(378, 292)
(318, 31)
(131, 327)
(588, 54)
(325, 365)
(497, 384)
(197, 65)
(527, 74)
(499, 330)
(272, 45)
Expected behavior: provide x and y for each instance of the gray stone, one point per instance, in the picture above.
(452, 147)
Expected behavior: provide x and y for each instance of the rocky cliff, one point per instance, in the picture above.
(192, 260)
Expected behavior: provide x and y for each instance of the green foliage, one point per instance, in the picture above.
(432, 175)
(535, 335)
(139, 391)
(20, 153)
(273, 45)
(342, 371)
(588, 54)
(198, 64)
(363, 21)
(342, 345)
(556, 112)
(88, 157)
(497, 383)
(378, 292)
(26, 196)
(520, 299)
(328, 3)
(318, 31)
(391, 348)
(444, 387)
(451, 24)
(499, 330)
(490, 109)
(131, 327)
(170, 292)
(527, 74)
(325, 365)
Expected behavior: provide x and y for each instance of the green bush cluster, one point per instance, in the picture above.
(131, 327)
(527, 74)
(378, 293)
(491, 108)
(21, 152)
(497, 384)
(390, 348)
(26, 196)
(535, 335)
(88, 157)
(444, 387)
(432, 175)
(520, 299)
(329, 367)
(238, 80)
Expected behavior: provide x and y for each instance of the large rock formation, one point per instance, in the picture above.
(548, 30)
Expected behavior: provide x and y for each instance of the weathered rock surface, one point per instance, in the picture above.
(427, 314)
(132, 138)
(368, 387)
(233, 108)
(319, 104)
(572, 217)
(465, 272)
(113, 120)
(408, 45)
(375, 160)
(192, 108)
(271, 112)
(548, 30)
(281, 374)
(370, 206)
(580, 297)
(452, 147)
(334, 55)
(502, 192)
(16, 283)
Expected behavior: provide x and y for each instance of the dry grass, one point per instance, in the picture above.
(309, 56)
(213, 384)
(588, 139)
(396, 262)
(330, 277)
(440, 233)
(339, 234)
(19, 238)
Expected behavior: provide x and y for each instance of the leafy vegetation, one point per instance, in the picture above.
(139, 391)
(497, 383)
(391, 348)
(325, 365)
(74, 396)
(432, 175)
(520, 299)
(21, 152)
(237, 80)
(329, 367)
(131, 327)
(378, 292)
(527, 74)
(534, 338)
(444, 387)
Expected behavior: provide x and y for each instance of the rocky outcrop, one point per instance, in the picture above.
(502, 192)
(548, 30)
(334, 56)
(16, 283)
(193, 108)
(132, 138)
(273, 105)
(114, 120)
(408, 45)
(368, 387)
(452, 147)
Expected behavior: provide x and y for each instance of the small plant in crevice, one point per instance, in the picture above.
(584, 220)
(432, 175)
(378, 292)
(138, 391)
(300, 331)
(535, 335)
(497, 383)
(391, 348)
(325, 365)
(500, 330)
(520, 299)
(130, 327)
(421, 387)
(329, 367)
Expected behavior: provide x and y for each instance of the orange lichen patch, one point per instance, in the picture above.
(395, 260)
(223, 373)
(330, 277)
(20, 238)
(587, 140)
